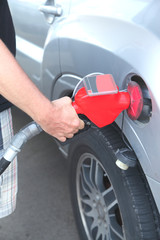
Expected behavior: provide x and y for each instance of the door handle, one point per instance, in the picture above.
(52, 10)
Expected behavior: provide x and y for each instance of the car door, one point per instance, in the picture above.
(31, 30)
(32, 20)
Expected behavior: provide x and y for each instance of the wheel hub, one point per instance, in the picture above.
(101, 209)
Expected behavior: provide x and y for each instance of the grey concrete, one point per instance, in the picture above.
(43, 206)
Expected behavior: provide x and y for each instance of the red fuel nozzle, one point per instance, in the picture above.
(103, 109)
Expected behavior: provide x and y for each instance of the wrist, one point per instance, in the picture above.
(43, 113)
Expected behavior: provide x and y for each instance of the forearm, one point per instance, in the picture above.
(19, 89)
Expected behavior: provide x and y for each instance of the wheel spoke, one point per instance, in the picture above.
(107, 191)
(104, 237)
(92, 172)
(95, 175)
(91, 213)
(98, 234)
(111, 205)
(94, 224)
(115, 227)
(84, 187)
(117, 233)
(109, 198)
(87, 202)
(85, 178)
(101, 232)
(98, 176)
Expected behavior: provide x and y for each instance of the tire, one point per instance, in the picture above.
(109, 203)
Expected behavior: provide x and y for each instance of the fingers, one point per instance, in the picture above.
(71, 135)
(81, 124)
(63, 139)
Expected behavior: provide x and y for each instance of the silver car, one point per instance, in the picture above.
(60, 42)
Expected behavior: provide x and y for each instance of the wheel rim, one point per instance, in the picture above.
(97, 201)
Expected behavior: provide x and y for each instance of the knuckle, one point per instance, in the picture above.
(76, 123)
(67, 99)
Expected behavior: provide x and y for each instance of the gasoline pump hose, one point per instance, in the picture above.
(29, 131)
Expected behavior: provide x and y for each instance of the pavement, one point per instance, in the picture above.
(44, 209)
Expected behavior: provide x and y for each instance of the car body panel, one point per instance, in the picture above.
(31, 36)
(117, 37)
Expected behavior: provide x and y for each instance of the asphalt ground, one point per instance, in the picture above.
(43, 210)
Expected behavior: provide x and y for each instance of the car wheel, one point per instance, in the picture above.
(109, 203)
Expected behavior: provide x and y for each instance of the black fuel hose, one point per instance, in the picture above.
(25, 134)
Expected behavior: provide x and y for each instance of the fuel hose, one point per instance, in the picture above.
(25, 134)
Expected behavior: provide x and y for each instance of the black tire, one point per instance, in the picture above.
(109, 203)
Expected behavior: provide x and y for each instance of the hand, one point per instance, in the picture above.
(63, 121)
